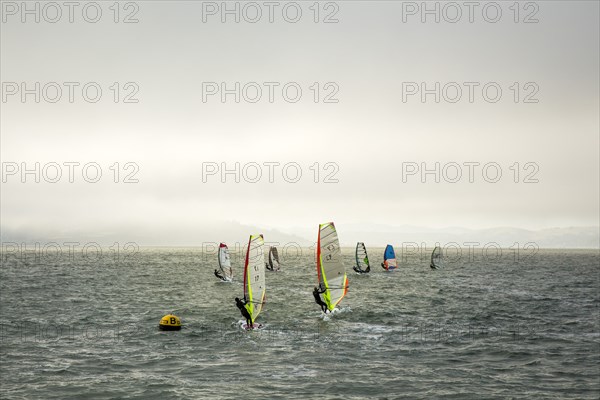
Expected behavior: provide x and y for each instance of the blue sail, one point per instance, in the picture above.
(389, 258)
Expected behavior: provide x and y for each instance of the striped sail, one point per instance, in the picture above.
(436, 258)
(389, 258)
(362, 259)
(274, 258)
(330, 269)
(225, 262)
(254, 276)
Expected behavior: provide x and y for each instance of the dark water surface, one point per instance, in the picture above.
(79, 328)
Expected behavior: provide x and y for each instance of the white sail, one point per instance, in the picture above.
(274, 264)
(330, 268)
(225, 262)
(436, 258)
(362, 259)
(254, 276)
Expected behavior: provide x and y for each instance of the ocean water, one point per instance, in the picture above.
(85, 327)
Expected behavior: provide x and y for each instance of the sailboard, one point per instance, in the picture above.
(362, 259)
(274, 264)
(436, 258)
(389, 258)
(225, 263)
(254, 278)
(333, 283)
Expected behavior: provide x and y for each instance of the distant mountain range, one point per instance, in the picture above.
(229, 232)
(571, 237)
(233, 232)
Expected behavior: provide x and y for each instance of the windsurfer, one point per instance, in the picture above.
(317, 295)
(218, 275)
(241, 304)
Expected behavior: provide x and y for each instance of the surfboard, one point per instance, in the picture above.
(332, 279)
(389, 258)
(253, 327)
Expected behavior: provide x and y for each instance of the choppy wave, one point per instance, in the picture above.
(479, 329)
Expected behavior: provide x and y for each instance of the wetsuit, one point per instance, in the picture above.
(383, 266)
(317, 295)
(218, 275)
(241, 304)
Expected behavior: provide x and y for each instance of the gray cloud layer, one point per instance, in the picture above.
(368, 134)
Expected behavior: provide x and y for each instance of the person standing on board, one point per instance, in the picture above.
(241, 304)
(218, 275)
(317, 295)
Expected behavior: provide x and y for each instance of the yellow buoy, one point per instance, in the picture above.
(170, 322)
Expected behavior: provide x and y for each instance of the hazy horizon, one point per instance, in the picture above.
(371, 235)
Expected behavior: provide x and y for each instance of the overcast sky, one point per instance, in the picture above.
(374, 55)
